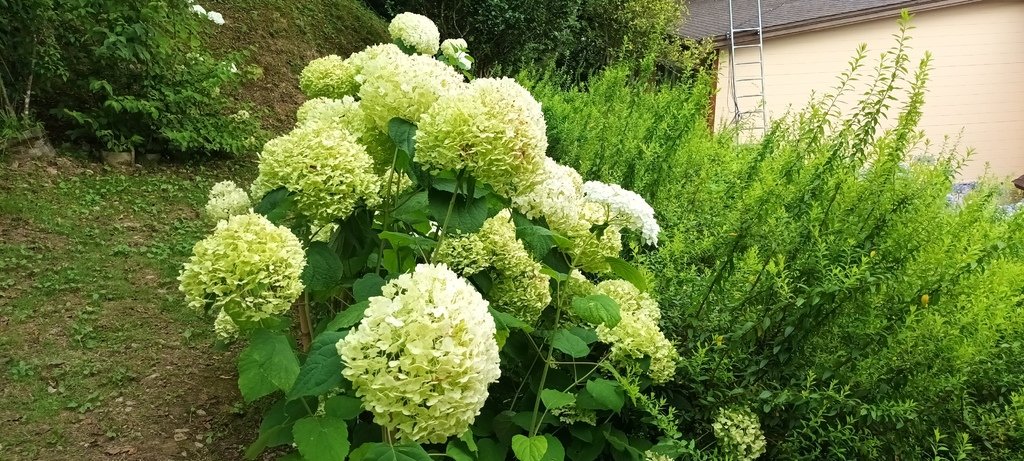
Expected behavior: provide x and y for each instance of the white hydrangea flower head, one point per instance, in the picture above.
(626, 207)
(216, 17)
(424, 354)
(198, 9)
(326, 167)
(456, 52)
(248, 268)
(637, 335)
(557, 197)
(225, 328)
(453, 46)
(415, 31)
(405, 86)
(226, 199)
(494, 128)
(739, 434)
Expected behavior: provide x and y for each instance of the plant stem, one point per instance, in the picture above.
(305, 338)
(451, 207)
(547, 364)
(387, 208)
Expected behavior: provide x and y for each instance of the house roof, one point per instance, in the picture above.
(710, 18)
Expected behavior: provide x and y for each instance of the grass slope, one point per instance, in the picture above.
(99, 357)
(282, 36)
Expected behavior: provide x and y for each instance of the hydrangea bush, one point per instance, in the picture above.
(416, 278)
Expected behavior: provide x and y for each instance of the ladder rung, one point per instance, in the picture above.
(755, 111)
(748, 80)
(747, 63)
(747, 30)
(748, 46)
(751, 96)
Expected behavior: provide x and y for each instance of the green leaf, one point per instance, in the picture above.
(343, 407)
(321, 438)
(367, 286)
(597, 309)
(404, 452)
(323, 269)
(506, 321)
(415, 242)
(276, 427)
(627, 272)
(403, 134)
(536, 239)
(569, 343)
(350, 316)
(588, 335)
(556, 399)
(467, 216)
(607, 393)
(266, 365)
(587, 450)
(529, 448)
(275, 205)
(490, 449)
(412, 210)
(458, 451)
(555, 450)
(322, 370)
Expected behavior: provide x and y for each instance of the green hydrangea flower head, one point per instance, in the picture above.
(424, 354)
(326, 167)
(637, 335)
(590, 250)
(416, 32)
(226, 200)
(334, 77)
(466, 255)
(346, 113)
(494, 128)
(405, 86)
(739, 434)
(248, 268)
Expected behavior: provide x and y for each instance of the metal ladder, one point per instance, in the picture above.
(747, 97)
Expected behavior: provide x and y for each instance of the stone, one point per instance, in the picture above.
(118, 158)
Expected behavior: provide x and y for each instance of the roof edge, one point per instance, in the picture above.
(843, 19)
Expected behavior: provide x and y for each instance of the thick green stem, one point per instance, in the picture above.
(451, 207)
(305, 336)
(388, 202)
(534, 425)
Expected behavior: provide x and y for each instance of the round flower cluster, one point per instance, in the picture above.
(494, 128)
(625, 207)
(637, 335)
(405, 86)
(225, 328)
(739, 434)
(519, 286)
(226, 200)
(557, 197)
(326, 167)
(455, 52)
(327, 77)
(591, 250)
(416, 32)
(249, 269)
(344, 113)
(424, 355)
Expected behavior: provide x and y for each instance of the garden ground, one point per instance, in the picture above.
(99, 356)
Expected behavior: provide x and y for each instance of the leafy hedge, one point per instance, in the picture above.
(819, 276)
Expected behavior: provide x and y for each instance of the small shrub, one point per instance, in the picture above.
(129, 75)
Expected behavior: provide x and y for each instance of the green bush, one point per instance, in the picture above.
(578, 35)
(127, 75)
(819, 277)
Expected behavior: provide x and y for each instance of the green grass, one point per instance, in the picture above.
(98, 352)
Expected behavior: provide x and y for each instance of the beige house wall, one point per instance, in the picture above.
(977, 81)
